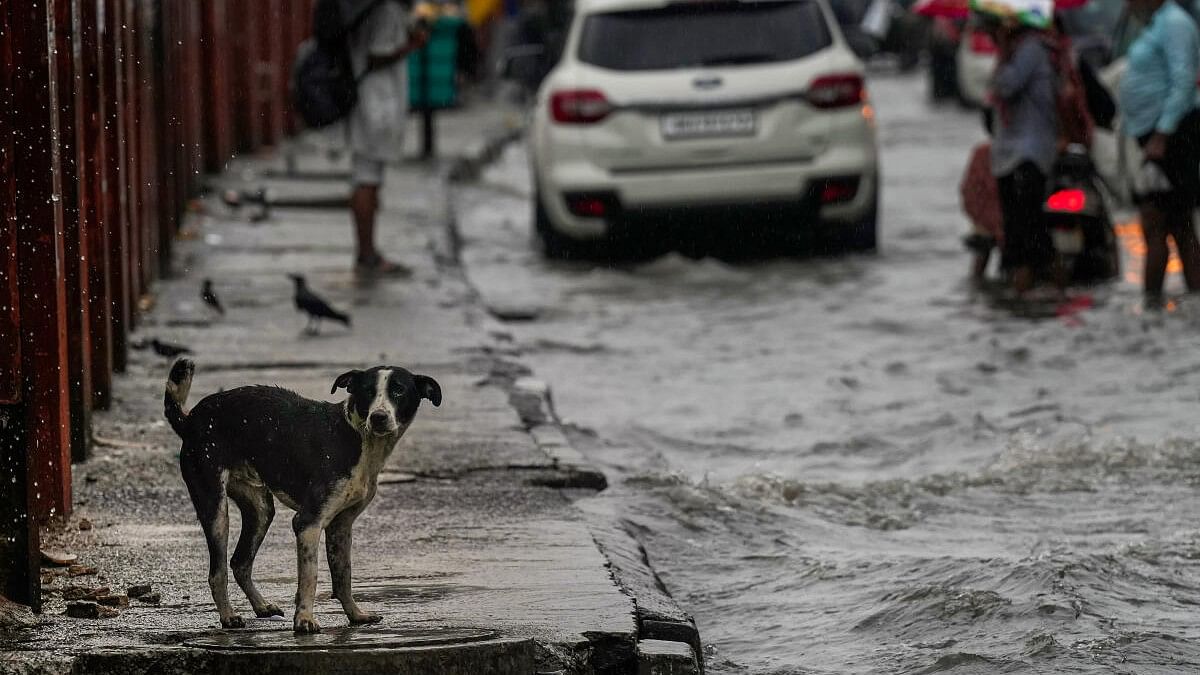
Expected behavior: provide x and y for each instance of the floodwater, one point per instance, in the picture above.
(856, 465)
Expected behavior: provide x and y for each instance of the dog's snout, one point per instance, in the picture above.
(379, 418)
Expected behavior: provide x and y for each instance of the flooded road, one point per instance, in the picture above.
(856, 465)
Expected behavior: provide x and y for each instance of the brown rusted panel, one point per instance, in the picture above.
(172, 154)
(19, 557)
(152, 144)
(280, 62)
(117, 196)
(277, 28)
(192, 86)
(219, 108)
(10, 334)
(152, 140)
(94, 203)
(297, 16)
(131, 176)
(73, 198)
(38, 204)
(247, 99)
(146, 228)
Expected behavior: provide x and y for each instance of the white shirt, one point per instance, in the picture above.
(377, 122)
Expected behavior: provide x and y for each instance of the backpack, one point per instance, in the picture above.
(1075, 122)
(323, 87)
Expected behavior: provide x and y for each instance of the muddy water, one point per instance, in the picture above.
(856, 465)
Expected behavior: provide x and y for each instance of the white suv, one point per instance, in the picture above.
(658, 108)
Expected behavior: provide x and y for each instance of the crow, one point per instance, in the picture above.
(316, 308)
(168, 349)
(210, 297)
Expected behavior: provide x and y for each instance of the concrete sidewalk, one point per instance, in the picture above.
(472, 550)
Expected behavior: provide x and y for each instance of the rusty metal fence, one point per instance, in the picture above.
(111, 110)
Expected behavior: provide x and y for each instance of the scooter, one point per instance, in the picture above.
(1079, 222)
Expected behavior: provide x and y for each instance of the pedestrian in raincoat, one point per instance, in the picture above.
(378, 48)
(1159, 102)
(1025, 146)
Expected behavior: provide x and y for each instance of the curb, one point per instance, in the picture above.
(531, 398)
(668, 642)
(467, 166)
(673, 641)
(659, 617)
(660, 657)
(484, 658)
(464, 168)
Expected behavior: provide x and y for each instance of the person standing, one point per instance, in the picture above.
(1024, 147)
(1159, 100)
(378, 48)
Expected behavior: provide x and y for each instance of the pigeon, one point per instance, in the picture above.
(316, 308)
(210, 297)
(168, 349)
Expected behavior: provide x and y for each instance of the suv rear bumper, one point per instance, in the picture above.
(764, 187)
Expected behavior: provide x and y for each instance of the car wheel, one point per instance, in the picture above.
(554, 244)
(863, 234)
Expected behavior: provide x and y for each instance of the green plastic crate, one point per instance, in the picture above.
(442, 52)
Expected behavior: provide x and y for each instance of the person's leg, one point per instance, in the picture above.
(1178, 223)
(1009, 255)
(979, 265)
(1155, 235)
(366, 177)
(364, 204)
(1032, 244)
(980, 244)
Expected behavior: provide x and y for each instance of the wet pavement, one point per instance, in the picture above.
(858, 464)
(472, 550)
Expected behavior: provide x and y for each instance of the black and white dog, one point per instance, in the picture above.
(320, 459)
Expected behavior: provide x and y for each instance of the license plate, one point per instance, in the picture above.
(1068, 241)
(709, 124)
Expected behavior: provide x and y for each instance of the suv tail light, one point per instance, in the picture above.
(837, 190)
(579, 106)
(836, 91)
(591, 204)
(981, 43)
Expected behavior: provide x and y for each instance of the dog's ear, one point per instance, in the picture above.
(429, 388)
(344, 380)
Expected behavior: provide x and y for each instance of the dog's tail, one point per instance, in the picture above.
(179, 383)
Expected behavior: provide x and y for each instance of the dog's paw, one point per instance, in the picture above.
(268, 610)
(234, 621)
(304, 624)
(363, 618)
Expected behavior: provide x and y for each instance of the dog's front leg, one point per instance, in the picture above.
(308, 538)
(337, 549)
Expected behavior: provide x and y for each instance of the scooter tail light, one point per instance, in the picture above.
(837, 91)
(1072, 200)
(579, 106)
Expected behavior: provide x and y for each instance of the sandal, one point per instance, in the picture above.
(377, 267)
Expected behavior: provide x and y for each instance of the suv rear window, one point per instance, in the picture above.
(698, 34)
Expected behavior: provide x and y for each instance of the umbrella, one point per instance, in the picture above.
(959, 9)
(948, 9)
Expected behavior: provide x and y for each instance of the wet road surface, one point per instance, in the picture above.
(857, 465)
